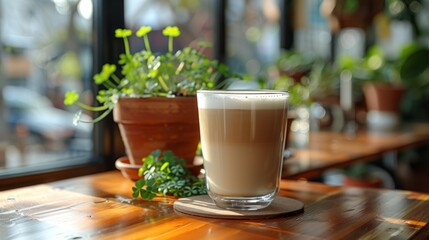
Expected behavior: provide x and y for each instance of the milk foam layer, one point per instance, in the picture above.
(242, 99)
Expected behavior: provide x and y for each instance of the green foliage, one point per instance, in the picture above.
(292, 61)
(373, 67)
(415, 62)
(166, 174)
(414, 71)
(410, 68)
(304, 77)
(299, 93)
(149, 74)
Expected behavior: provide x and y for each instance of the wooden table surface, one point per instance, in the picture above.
(100, 206)
(328, 149)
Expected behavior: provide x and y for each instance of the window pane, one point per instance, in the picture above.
(46, 51)
(253, 34)
(312, 34)
(194, 18)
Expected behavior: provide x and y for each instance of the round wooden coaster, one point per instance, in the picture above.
(203, 206)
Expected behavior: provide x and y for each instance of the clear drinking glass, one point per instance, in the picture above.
(242, 138)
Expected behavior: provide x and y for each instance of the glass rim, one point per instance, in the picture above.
(253, 91)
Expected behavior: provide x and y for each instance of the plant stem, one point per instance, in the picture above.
(163, 84)
(99, 118)
(146, 43)
(116, 79)
(180, 67)
(91, 108)
(127, 46)
(170, 44)
(109, 84)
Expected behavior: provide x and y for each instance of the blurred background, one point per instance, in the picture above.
(51, 46)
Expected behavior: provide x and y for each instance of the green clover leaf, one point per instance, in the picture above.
(71, 97)
(99, 78)
(158, 179)
(104, 75)
(122, 33)
(143, 31)
(108, 69)
(171, 31)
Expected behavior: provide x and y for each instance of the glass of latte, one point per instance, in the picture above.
(242, 139)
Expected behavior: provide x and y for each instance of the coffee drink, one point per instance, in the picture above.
(242, 138)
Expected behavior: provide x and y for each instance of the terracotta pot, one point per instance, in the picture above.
(340, 15)
(383, 102)
(148, 124)
(383, 97)
(130, 171)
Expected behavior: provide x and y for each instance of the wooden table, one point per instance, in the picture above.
(100, 206)
(328, 149)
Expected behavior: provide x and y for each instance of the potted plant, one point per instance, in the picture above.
(153, 96)
(381, 85)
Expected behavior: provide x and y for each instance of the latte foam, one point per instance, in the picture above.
(242, 99)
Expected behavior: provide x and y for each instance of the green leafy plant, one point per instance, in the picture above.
(414, 72)
(149, 74)
(305, 77)
(166, 174)
(373, 67)
(414, 63)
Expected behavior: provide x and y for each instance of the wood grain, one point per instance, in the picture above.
(100, 206)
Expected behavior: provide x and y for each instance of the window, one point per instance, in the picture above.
(253, 34)
(194, 19)
(46, 50)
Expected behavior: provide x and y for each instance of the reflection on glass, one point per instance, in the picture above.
(46, 51)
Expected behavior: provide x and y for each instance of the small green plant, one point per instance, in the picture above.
(149, 74)
(166, 174)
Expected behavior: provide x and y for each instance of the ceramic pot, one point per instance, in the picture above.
(383, 97)
(148, 124)
(383, 102)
